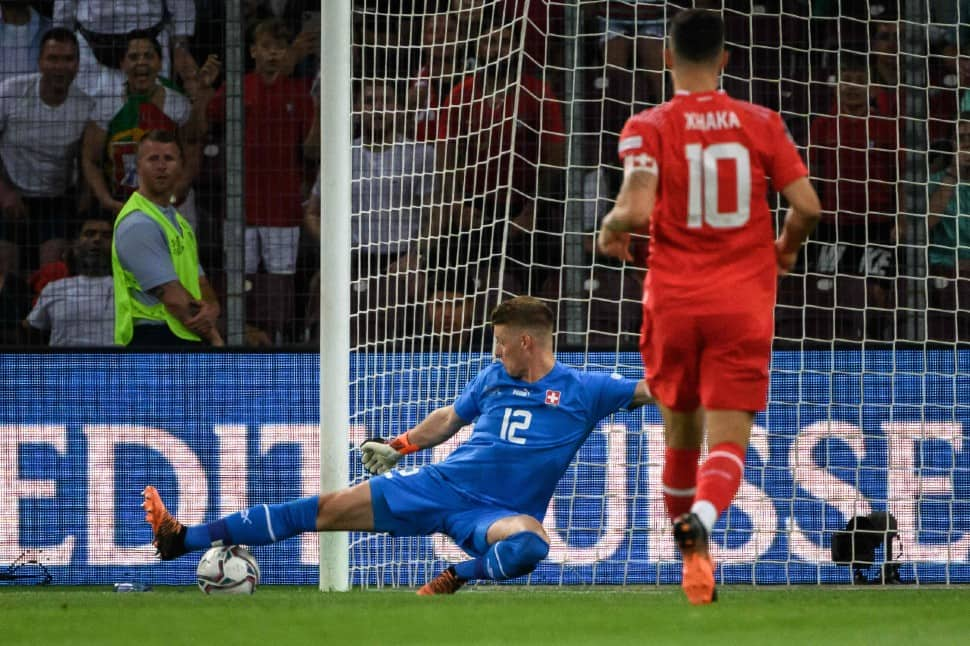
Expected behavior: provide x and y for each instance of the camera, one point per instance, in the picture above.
(856, 546)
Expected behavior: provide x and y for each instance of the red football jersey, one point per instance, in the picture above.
(711, 230)
(277, 118)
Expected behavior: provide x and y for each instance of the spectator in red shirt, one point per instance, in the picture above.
(852, 153)
(279, 114)
(496, 121)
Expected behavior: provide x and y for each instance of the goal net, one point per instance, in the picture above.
(485, 155)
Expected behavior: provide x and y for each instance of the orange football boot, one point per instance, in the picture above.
(698, 574)
(445, 583)
(169, 533)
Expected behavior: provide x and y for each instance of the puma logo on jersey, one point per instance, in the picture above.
(719, 120)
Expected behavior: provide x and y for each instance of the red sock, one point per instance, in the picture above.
(720, 475)
(679, 480)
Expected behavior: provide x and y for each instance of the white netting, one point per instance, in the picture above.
(520, 104)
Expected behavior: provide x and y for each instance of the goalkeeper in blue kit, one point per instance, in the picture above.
(531, 414)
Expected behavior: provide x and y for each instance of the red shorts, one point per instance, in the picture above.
(718, 361)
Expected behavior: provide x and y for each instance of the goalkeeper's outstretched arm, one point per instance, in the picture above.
(379, 456)
(436, 428)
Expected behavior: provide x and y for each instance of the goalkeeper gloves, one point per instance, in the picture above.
(379, 456)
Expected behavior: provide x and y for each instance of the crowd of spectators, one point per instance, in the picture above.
(460, 160)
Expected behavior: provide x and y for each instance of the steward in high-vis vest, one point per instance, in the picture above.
(162, 298)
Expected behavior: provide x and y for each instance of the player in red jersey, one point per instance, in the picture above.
(697, 171)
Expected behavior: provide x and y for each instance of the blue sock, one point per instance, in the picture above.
(468, 570)
(506, 559)
(259, 525)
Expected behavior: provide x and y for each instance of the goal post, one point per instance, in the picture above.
(335, 81)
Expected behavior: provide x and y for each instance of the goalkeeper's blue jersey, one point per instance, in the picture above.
(526, 434)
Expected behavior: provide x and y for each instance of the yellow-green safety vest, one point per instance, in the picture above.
(185, 259)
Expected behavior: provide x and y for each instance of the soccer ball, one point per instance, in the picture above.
(228, 570)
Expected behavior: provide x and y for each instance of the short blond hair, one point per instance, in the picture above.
(524, 312)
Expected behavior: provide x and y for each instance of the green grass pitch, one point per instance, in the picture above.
(177, 616)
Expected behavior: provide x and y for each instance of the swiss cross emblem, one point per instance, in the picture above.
(552, 397)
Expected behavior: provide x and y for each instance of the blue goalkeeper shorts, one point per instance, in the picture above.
(419, 502)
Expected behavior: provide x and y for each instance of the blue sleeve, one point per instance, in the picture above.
(611, 393)
(143, 250)
(467, 403)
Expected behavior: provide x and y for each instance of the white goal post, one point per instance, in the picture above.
(335, 79)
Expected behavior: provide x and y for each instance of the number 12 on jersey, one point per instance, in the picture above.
(515, 420)
(706, 176)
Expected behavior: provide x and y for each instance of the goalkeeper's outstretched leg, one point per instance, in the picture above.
(347, 509)
(511, 545)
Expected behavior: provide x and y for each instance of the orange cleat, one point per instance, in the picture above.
(698, 574)
(169, 533)
(445, 583)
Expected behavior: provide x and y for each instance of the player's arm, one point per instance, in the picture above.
(436, 428)
(379, 456)
(641, 396)
(803, 214)
(631, 212)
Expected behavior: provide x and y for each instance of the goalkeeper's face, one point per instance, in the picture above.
(510, 349)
